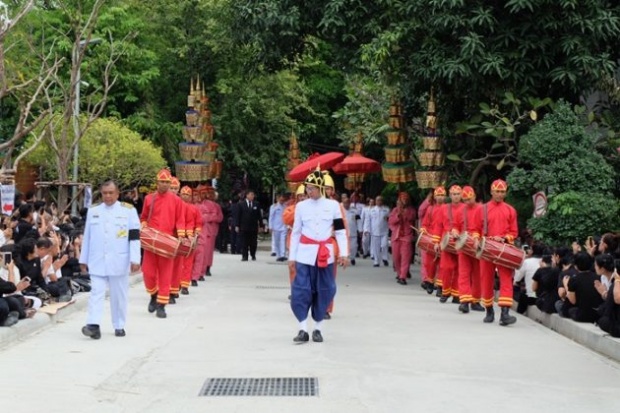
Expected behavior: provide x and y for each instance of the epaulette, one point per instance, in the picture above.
(127, 205)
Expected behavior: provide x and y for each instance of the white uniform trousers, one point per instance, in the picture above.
(119, 288)
(274, 246)
(366, 244)
(279, 238)
(379, 248)
(352, 247)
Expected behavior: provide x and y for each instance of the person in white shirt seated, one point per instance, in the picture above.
(525, 275)
(51, 264)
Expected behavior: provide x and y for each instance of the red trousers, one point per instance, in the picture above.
(401, 254)
(198, 268)
(186, 274)
(177, 271)
(448, 271)
(469, 279)
(157, 272)
(431, 264)
(487, 278)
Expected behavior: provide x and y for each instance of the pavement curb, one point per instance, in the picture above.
(41, 321)
(586, 334)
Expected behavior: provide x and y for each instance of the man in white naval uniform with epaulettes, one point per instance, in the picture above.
(312, 255)
(110, 251)
(351, 215)
(376, 224)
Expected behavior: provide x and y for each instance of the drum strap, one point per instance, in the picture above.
(465, 219)
(450, 215)
(485, 220)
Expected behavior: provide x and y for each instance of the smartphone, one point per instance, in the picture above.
(7, 256)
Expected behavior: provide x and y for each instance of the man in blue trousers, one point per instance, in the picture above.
(312, 255)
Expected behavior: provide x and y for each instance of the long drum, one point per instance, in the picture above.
(500, 253)
(425, 243)
(158, 242)
(187, 246)
(448, 244)
(465, 244)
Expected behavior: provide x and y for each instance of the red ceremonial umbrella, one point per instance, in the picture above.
(325, 161)
(357, 164)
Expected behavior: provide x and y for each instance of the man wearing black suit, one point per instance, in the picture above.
(248, 222)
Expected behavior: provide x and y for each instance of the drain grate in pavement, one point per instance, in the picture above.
(265, 386)
(272, 287)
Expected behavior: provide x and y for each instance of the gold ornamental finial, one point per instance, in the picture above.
(431, 102)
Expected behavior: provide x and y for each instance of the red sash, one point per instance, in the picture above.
(323, 256)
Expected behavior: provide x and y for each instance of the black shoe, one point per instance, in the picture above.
(119, 332)
(185, 291)
(443, 299)
(429, 287)
(273, 254)
(328, 316)
(153, 303)
(161, 311)
(456, 300)
(408, 274)
(253, 258)
(490, 315)
(366, 256)
(302, 337)
(439, 292)
(477, 307)
(464, 308)
(194, 283)
(244, 259)
(353, 261)
(385, 263)
(375, 265)
(201, 278)
(317, 337)
(174, 295)
(90, 330)
(402, 281)
(208, 274)
(172, 300)
(505, 319)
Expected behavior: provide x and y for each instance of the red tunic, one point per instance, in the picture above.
(400, 224)
(451, 215)
(167, 215)
(501, 221)
(432, 222)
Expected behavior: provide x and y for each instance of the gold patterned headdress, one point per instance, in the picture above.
(316, 178)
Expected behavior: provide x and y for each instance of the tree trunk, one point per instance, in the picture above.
(63, 189)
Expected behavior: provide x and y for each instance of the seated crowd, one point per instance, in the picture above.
(39, 260)
(581, 283)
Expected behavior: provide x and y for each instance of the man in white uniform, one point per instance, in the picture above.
(277, 228)
(350, 214)
(312, 256)
(110, 250)
(377, 226)
(365, 217)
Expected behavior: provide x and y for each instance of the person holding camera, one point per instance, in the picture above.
(581, 292)
(610, 310)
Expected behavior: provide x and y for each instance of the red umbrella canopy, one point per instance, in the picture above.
(324, 161)
(357, 164)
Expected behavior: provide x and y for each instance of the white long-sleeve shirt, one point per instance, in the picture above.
(376, 221)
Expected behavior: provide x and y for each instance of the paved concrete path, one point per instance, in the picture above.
(388, 348)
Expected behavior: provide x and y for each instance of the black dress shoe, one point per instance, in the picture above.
(153, 303)
(92, 331)
(161, 311)
(201, 278)
(208, 274)
(402, 281)
(443, 299)
(429, 287)
(439, 292)
(490, 315)
(476, 307)
(464, 308)
(317, 337)
(273, 254)
(185, 291)
(172, 300)
(385, 263)
(375, 265)
(328, 316)
(302, 337)
(366, 256)
(253, 258)
(119, 332)
(353, 261)
(244, 259)
(194, 283)
(408, 274)
(505, 319)
(174, 295)
(456, 300)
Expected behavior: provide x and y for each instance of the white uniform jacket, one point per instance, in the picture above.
(376, 221)
(315, 220)
(111, 239)
(350, 215)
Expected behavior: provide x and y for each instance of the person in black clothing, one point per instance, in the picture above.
(29, 265)
(610, 310)
(582, 292)
(235, 248)
(25, 226)
(565, 262)
(545, 284)
(248, 224)
(12, 307)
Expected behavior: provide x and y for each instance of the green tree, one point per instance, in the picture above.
(558, 156)
(108, 150)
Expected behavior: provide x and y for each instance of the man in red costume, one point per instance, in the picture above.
(177, 269)
(193, 222)
(468, 268)
(497, 221)
(198, 270)
(212, 216)
(161, 211)
(448, 263)
(432, 225)
(401, 220)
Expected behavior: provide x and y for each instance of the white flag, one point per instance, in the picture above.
(7, 198)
